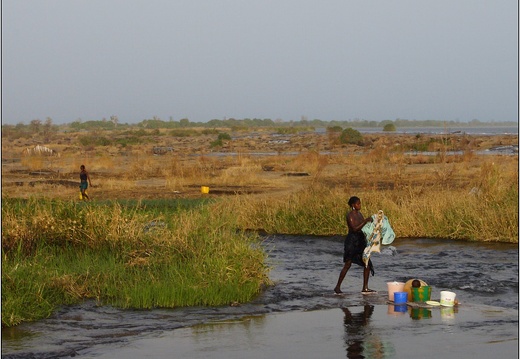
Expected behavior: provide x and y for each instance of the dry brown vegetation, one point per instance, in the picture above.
(258, 162)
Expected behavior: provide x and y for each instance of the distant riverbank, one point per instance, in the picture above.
(484, 130)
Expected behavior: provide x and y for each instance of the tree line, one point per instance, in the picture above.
(47, 127)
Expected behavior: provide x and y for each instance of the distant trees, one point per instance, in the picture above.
(37, 127)
(247, 122)
(93, 125)
(114, 119)
(48, 129)
(156, 122)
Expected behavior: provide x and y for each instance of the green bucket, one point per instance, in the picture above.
(421, 294)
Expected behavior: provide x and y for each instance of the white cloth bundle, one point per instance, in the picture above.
(378, 231)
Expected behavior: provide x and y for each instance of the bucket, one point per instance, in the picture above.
(421, 294)
(408, 286)
(204, 189)
(400, 297)
(447, 298)
(394, 287)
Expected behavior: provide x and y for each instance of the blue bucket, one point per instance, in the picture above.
(400, 297)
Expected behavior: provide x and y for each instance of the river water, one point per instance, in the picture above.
(301, 317)
(476, 130)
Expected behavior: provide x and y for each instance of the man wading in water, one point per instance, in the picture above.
(354, 246)
(83, 185)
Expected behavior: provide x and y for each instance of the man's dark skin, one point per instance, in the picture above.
(355, 221)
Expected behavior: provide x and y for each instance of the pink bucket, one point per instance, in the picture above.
(394, 287)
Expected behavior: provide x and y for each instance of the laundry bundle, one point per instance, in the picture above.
(377, 232)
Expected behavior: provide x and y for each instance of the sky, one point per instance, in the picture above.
(452, 60)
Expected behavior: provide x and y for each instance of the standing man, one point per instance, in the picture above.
(354, 245)
(84, 182)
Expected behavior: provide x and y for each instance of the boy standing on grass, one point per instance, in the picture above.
(84, 182)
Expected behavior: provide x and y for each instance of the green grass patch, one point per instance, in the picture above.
(56, 253)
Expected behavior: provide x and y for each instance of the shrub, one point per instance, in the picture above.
(389, 127)
(351, 136)
(224, 136)
(334, 129)
(94, 140)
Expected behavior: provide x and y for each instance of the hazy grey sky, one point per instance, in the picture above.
(277, 59)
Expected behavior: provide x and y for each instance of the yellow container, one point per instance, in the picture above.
(408, 287)
(204, 189)
(81, 194)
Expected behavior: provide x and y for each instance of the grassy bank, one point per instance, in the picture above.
(484, 209)
(57, 252)
(433, 214)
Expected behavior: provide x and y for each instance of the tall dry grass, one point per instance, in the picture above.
(452, 196)
(433, 204)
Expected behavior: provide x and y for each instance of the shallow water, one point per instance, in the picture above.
(301, 306)
(477, 130)
(365, 331)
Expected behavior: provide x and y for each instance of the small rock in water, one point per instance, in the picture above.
(389, 251)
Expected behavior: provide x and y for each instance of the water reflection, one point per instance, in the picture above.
(361, 341)
(448, 314)
(416, 313)
(420, 313)
(397, 310)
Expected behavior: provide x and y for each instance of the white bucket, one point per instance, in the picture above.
(394, 287)
(447, 298)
